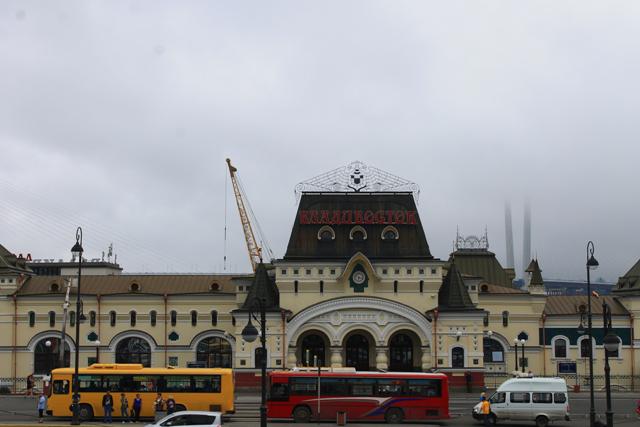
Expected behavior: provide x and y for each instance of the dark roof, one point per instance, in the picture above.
(630, 282)
(481, 263)
(170, 284)
(263, 289)
(344, 211)
(10, 263)
(570, 305)
(453, 295)
(536, 273)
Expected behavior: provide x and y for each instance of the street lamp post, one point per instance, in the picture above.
(249, 334)
(523, 342)
(515, 345)
(77, 251)
(611, 342)
(592, 264)
(97, 344)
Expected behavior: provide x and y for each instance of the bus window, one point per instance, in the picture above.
(208, 384)
(177, 383)
(90, 382)
(390, 387)
(279, 391)
(425, 388)
(61, 387)
(361, 386)
(334, 387)
(304, 386)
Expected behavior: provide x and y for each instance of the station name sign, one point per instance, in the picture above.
(348, 217)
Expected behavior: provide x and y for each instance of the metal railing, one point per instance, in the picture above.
(492, 380)
(19, 385)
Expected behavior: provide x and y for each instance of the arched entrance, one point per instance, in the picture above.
(401, 353)
(357, 352)
(457, 357)
(134, 350)
(47, 357)
(215, 352)
(313, 347)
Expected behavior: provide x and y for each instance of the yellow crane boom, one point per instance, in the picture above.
(252, 246)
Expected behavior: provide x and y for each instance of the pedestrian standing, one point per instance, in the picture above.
(137, 407)
(124, 408)
(158, 406)
(107, 406)
(30, 385)
(171, 405)
(485, 410)
(42, 406)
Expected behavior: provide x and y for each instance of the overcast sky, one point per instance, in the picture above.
(118, 115)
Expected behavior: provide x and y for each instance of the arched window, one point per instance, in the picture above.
(457, 357)
(326, 234)
(358, 234)
(174, 317)
(134, 350)
(395, 286)
(112, 318)
(214, 318)
(485, 320)
(47, 357)
(134, 287)
(401, 353)
(132, 318)
(493, 350)
(215, 352)
(52, 319)
(32, 318)
(313, 350)
(92, 318)
(54, 287)
(390, 233)
(72, 319)
(585, 348)
(260, 357)
(194, 318)
(559, 345)
(153, 317)
(505, 318)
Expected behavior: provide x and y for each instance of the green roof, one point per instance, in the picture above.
(453, 295)
(481, 263)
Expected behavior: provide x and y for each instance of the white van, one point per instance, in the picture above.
(529, 398)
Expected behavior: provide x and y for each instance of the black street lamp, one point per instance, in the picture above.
(610, 342)
(515, 345)
(249, 334)
(592, 264)
(523, 342)
(77, 252)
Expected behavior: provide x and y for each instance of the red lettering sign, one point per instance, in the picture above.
(353, 217)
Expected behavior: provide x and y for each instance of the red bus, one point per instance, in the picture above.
(364, 396)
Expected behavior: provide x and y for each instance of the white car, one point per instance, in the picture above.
(190, 418)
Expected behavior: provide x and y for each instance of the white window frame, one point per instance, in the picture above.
(553, 346)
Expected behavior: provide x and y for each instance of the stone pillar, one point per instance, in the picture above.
(336, 357)
(426, 358)
(381, 358)
(292, 360)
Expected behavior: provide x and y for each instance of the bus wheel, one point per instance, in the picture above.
(301, 414)
(542, 421)
(85, 412)
(394, 416)
(180, 408)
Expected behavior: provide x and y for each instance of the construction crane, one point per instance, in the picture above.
(246, 218)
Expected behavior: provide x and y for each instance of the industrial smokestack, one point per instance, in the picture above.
(526, 240)
(508, 234)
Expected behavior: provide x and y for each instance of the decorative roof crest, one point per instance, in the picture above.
(357, 177)
(472, 242)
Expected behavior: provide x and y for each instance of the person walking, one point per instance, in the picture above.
(137, 407)
(485, 410)
(107, 406)
(42, 406)
(30, 385)
(124, 408)
(158, 406)
(171, 405)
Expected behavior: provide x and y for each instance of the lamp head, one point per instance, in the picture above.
(47, 343)
(458, 335)
(592, 262)
(250, 332)
(611, 342)
(523, 341)
(77, 250)
(580, 330)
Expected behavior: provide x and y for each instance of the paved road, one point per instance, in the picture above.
(16, 410)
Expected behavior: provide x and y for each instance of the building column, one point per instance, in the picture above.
(382, 361)
(292, 360)
(426, 358)
(336, 357)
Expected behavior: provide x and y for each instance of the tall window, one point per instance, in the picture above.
(134, 350)
(52, 319)
(313, 350)
(153, 317)
(132, 318)
(261, 357)
(112, 318)
(174, 317)
(421, 286)
(72, 319)
(215, 352)
(560, 348)
(295, 286)
(47, 357)
(585, 347)
(92, 318)
(194, 318)
(214, 318)
(321, 286)
(395, 286)
(493, 350)
(457, 357)
(485, 320)
(505, 318)
(32, 318)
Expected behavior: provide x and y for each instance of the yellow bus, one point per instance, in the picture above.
(198, 389)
